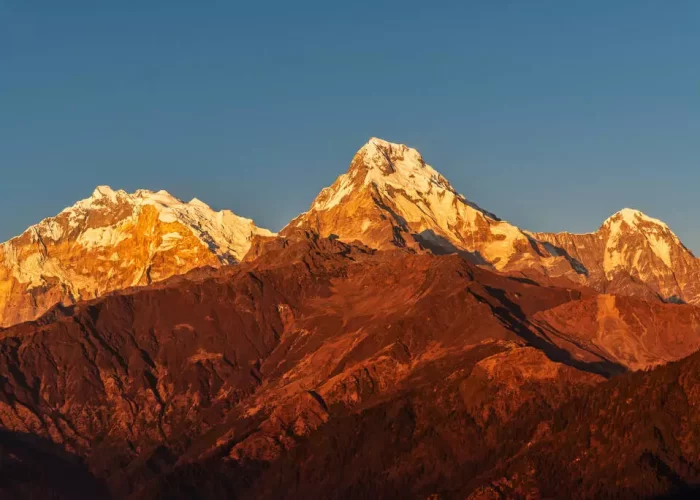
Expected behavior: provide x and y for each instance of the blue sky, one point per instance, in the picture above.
(551, 114)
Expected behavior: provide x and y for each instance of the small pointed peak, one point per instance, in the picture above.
(103, 192)
(633, 218)
(631, 213)
(375, 143)
(386, 157)
(198, 203)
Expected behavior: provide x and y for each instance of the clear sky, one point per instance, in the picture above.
(551, 114)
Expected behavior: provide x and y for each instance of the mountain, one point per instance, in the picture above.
(502, 434)
(221, 376)
(396, 341)
(391, 198)
(333, 370)
(632, 254)
(634, 333)
(110, 241)
(635, 436)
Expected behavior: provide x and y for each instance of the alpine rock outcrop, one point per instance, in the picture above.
(114, 240)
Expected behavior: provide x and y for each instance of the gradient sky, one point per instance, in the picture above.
(551, 114)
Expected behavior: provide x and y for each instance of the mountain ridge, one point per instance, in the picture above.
(391, 197)
(114, 240)
(320, 368)
(388, 198)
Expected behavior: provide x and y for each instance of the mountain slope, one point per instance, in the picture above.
(237, 368)
(635, 333)
(110, 241)
(633, 254)
(319, 368)
(635, 436)
(494, 434)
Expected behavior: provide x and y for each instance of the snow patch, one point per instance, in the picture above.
(169, 241)
(661, 248)
(332, 196)
(108, 236)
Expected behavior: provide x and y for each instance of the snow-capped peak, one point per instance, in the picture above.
(377, 142)
(391, 158)
(657, 235)
(114, 240)
(196, 202)
(633, 218)
(401, 187)
(387, 166)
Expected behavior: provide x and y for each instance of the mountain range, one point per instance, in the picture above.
(394, 341)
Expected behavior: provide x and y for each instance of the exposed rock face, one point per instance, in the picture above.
(391, 198)
(110, 241)
(128, 380)
(633, 254)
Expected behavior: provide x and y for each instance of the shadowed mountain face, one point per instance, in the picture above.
(313, 368)
(32, 467)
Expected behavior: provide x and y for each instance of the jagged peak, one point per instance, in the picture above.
(382, 163)
(658, 236)
(160, 198)
(390, 158)
(116, 206)
(378, 142)
(196, 202)
(104, 191)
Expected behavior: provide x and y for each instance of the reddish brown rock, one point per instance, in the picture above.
(629, 331)
(313, 369)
